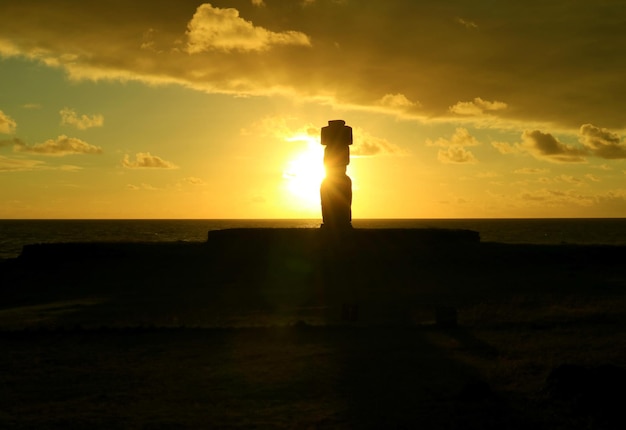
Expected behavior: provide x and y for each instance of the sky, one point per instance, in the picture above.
(191, 109)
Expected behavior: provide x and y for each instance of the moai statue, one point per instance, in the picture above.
(336, 189)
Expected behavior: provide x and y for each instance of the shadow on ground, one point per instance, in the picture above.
(281, 330)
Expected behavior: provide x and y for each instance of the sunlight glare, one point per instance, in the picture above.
(305, 172)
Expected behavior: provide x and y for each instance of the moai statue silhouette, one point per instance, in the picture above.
(336, 189)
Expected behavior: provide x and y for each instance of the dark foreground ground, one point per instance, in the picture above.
(296, 329)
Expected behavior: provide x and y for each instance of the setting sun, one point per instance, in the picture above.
(304, 174)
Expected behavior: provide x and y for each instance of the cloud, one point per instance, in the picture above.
(547, 147)
(330, 58)
(397, 101)
(557, 198)
(467, 24)
(613, 203)
(24, 165)
(364, 143)
(212, 28)
(9, 142)
(70, 168)
(194, 181)
(596, 141)
(7, 124)
(143, 186)
(456, 155)
(506, 148)
(602, 142)
(145, 160)
(461, 137)
(454, 151)
(477, 107)
(367, 145)
(258, 2)
(33, 106)
(531, 171)
(69, 117)
(18, 165)
(58, 147)
(570, 179)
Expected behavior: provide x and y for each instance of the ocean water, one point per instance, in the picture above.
(14, 234)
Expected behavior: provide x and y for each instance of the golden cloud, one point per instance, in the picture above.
(456, 155)
(17, 164)
(7, 124)
(58, 147)
(145, 160)
(477, 107)
(366, 144)
(212, 28)
(602, 143)
(83, 122)
(461, 137)
(545, 76)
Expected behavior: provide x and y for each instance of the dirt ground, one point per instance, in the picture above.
(287, 336)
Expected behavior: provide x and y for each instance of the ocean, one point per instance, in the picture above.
(14, 234)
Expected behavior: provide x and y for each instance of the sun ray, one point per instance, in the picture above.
(304, 173)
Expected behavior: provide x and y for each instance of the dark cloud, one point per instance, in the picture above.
(547, 147)
(10, 142)
(602, 142)
(419, 57)
(596, 142)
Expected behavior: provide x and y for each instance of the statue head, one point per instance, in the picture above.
(337, 137)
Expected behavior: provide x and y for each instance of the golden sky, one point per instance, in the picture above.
(185, 109)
